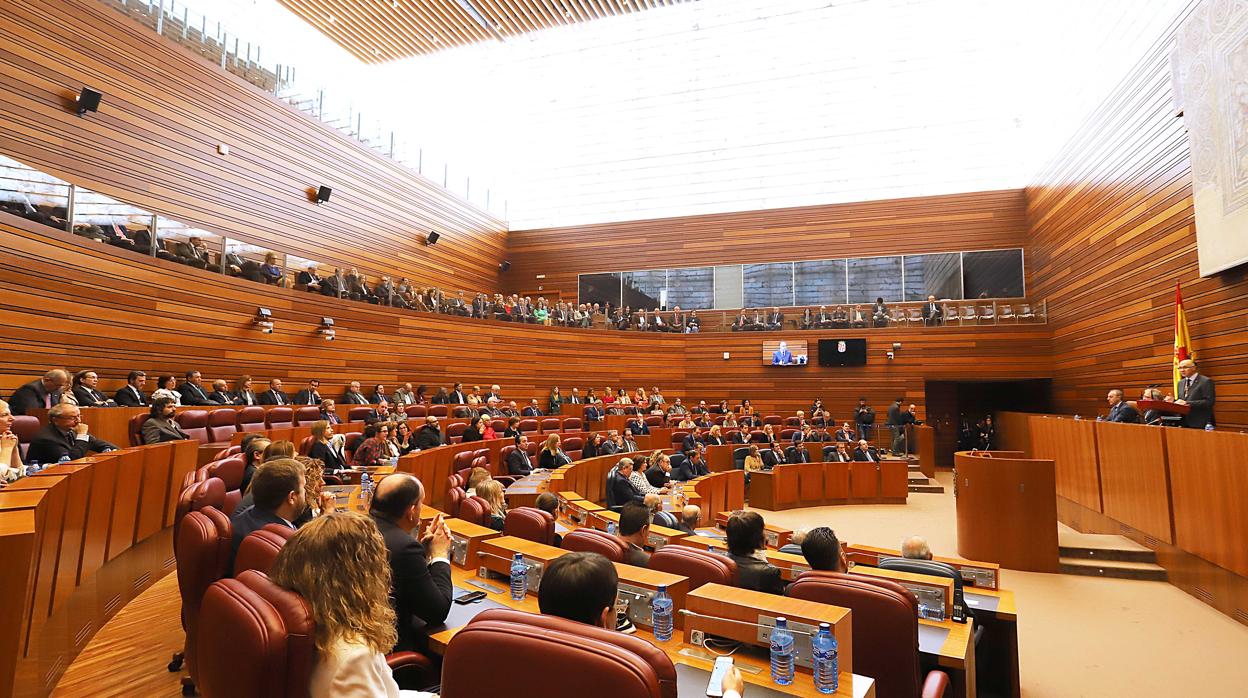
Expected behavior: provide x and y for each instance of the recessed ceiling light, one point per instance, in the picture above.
(329, 18)
(376, 52)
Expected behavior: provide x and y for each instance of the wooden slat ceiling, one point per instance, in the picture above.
(376, 31)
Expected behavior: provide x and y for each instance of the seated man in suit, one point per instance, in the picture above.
(808, 320)
(774, 456)
(840, 318)
(310, 279)
(865, 453)
(659, 474)
(518, 461)
(353, 396)
(192, 390)
(841, 454)
(823, 550)
(274, 395)
(310, 395)
(775, 319)
(533, 410)
(634, 530)
(42, 393)
(857, 318)
(277, 493)
(65, 435)
(581, 587)
(334, 286)
(593, 412)
(742, 322)
(1119, 410)
(933, 314)
(638, 426)
(421, 587)
(782, 356)
(690, 517)
(160, 425)
(85, 393)
(797, 453)
(221, 394)
(746, 538)
(1196, 391)
(132, 395)
(622, 491)
(697, 461)
(691, 440)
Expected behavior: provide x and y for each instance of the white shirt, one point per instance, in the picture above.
(352, 670)
(164, 392)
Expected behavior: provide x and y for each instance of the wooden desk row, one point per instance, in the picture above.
(80, 539)
(817, 484)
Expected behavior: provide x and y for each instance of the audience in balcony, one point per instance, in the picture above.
(243, 394)
(160, 425)
(310, 395)
(220, 394)
(933, 314)
(310, 279)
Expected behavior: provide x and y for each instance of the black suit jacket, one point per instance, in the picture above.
(758, 575)
(531, 412)
(328, 456)
(30, 396)
(689, 443)
(421, 592)
(932, 311)
(656, 476)
(351, 398)
(307, 397)
(220, 397)
(639, 427)
(622, 491)
(271, 397)
(518, 463)
(193, 394)
(684, 472)
(1201, 398)
(861, 457)
(131, 396)
(1122, 412)
(246, 522)
(87, 397)
(455, 397)
(50, 444)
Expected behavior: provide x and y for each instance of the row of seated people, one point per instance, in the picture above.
(414, 571)
(675, 320)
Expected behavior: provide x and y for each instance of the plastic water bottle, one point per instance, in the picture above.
(1209, 426)
(366, 486)
(661, 606)
(519, 577)
(782, 653)
(826, 662)
(611, 528)
(63, 459)
(32, 467)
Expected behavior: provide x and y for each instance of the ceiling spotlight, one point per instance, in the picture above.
(376, 52)
(329, 18)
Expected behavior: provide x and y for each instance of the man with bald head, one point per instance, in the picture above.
(1195, 391)
(420, 570)
(42, 393)
(690, 517)
(916, 548)
(1119, 410)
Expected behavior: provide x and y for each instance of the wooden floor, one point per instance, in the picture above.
(128, 656)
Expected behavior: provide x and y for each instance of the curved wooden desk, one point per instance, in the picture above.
(1007, 510)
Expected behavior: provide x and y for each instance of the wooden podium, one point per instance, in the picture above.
(1173, 413)
(1007, 510)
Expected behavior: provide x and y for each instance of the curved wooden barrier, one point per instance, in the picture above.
(1007, 510)
(80, 540)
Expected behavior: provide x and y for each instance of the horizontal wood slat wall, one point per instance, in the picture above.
(976, 221)
(153, 144)
(70, 302)
(1112, 232)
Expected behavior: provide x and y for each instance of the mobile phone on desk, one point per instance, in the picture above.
(468, 597)
(715, 687)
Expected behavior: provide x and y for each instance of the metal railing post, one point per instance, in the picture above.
(160, 18)
(69, 209)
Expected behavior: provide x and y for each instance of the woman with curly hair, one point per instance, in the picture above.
(355, 624)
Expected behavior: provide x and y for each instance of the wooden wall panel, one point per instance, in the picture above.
(1209, 473)
(1111, 233)
(1135, 477)
(1071, 445)
(976, 221)
(153, 144)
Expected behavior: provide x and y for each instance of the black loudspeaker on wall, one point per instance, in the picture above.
(432, 238)
(88, 100)
(504, 265)
(322, 194)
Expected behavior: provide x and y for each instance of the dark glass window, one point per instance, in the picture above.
(767, 285)
(599, 288)
(819, 282)
(993, 274)
(875, 277)
(937, 275)
(691, 288)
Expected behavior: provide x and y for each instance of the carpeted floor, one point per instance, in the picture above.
(1078, 636)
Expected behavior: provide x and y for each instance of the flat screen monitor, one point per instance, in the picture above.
(784, 352)
(842, 352)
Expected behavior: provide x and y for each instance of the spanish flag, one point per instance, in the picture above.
(1182, 341)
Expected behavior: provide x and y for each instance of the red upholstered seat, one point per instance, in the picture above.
(551, 424)
(260, 548)
(251, 419)
(572, 424)
(589, 540)
(678, 437)
(475, 510)
(195, 424)
(307, 416)
(506, 451)
(481, 452)
(456, 431)
(792, 422)
(222, 425)
(499, 426)
(481, 462)
(527, 425)
(227, 452)
(258, 640)
(196, 496)
(527, 649)
(25, 427)
(773, 419)
(202, 550)
(438, 411)
(454, 498)
(279, 417)
(462, 460)
(305, 446)
(700, 566)
(358, 414)
(573, 443)
(230, 470)
(787, 433)
(530, 523)
(885, 630)
(416, 411)
(721, 419)
(654, 420)
(134, 428)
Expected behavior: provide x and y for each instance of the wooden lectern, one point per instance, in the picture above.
(1172, 412)
(1007, 510)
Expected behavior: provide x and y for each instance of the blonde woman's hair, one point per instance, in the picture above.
(492, 492)
(477, 476)
(319, 428)
(279, 449)
(552, 443)
(338, 563)
(314, 478)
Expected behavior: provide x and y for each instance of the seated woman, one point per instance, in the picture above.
(269, 271)
(492, 492)
(686, 422)
(375, 448)
(473, 432)
(326, 448)
(355, 624)
(753, 460)
(475, 477)
(513, 428)
(746, 546)
(167, 386)
(11, 467)
(401, 440)
(552, 455)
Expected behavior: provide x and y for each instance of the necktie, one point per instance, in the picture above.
(47, 400)
(1187, 387)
